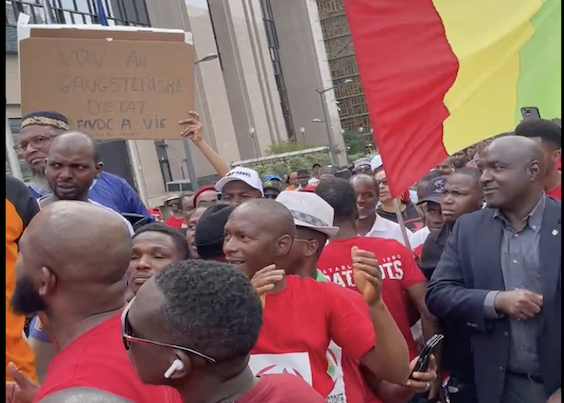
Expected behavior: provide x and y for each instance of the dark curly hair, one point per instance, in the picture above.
(210, 307)
(178, 238)
(340, 195)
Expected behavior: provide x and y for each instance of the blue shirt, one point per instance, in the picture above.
(111, 191)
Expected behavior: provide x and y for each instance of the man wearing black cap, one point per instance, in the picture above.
(38, 130)
(209, 232)
(430, 206)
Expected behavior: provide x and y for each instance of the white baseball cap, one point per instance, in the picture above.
(309, 211)
(247, 175)
(376, 163)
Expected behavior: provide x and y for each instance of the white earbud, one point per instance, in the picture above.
(177, 365)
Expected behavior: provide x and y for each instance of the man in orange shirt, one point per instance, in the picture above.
(21, 207)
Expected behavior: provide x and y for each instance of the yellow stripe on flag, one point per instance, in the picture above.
(486, 36)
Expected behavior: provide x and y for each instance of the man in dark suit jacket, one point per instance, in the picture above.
(500, 275)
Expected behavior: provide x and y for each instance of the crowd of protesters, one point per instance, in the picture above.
(318, 287)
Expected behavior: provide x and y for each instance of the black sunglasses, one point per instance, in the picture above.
(128, 338)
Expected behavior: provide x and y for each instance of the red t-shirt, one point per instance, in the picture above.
(174, 222)
(298, 324)
(281, 388)
(417, 251)
(399, 272)
(352, 384)
(98, 360)
(555, 193)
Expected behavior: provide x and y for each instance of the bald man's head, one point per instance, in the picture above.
(73, 163)
(258, 233)
(72, 250)
(76, 140)
(513, 172)
(83, 395)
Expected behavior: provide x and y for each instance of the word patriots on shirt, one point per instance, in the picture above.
(391, 268)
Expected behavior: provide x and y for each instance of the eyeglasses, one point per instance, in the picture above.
(128, 338)
(36, 142)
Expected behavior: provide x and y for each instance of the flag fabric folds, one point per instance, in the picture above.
(101, 13)
(440, 75)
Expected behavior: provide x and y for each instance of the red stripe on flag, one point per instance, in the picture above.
(406, 66)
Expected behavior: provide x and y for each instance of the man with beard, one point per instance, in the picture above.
(21, 207)
(260, 233)
(369, 223)
(72, 165)
(461, 194)
(313, 218)
(81, 291)
(38, 130)
(192, 327)
(499, 274)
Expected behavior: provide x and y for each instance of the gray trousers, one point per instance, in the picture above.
(522, 390)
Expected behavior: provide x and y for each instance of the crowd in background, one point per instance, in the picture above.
(337, 288)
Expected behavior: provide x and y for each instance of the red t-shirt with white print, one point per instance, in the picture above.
(298, 324)
(399, 272)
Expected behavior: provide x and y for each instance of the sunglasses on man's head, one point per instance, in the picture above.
(128, 338)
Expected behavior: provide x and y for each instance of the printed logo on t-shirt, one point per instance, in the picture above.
(390, 267)
(335, 371)
(290, 363)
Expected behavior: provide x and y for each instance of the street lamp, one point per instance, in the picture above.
(252, 132)
(207, 58)
(302, 131)
(189, 162)
(321, 92)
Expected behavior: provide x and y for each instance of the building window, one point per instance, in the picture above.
(353, 111)
(214, 35)
(118, 12)
(164, 164)
(272, 39)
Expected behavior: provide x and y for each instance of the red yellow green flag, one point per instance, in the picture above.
(440, 75)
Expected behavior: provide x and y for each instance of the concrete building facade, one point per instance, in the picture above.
(162, 161)
(262, 89)
(274, 60)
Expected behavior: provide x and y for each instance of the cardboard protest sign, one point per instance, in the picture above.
(111, 82)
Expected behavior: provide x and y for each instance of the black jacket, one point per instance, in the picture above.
(469, 268)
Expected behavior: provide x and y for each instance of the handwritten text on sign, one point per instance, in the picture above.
(116, 90)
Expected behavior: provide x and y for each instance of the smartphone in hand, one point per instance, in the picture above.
(430, 347)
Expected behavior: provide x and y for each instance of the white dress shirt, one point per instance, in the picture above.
(384, 228)
(418, 238)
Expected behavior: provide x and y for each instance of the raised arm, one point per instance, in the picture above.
(193, 130)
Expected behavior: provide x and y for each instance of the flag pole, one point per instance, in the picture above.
(401, 224)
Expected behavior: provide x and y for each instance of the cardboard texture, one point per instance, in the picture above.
(131, 84)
